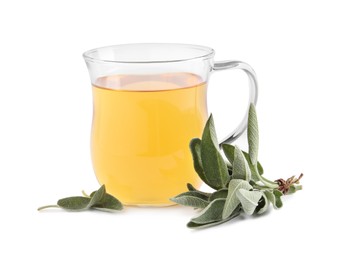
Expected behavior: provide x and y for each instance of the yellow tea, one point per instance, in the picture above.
(142, 126)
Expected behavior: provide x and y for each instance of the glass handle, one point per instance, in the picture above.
(253, 92)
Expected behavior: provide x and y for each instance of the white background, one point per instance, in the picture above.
(46, 109)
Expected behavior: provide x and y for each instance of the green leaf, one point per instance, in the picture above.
(278, 202)
(212, 213)
(191, 199)
(241, 168)
(274, 196)
(259, 167)
(249, 200)
(74, 203)
(195, 148)
(232, 201)
(294, 188)
(194, 225)
(253, 134)
(263, 205)
(97, 196)
(99, 200)
(220, 194)
(214, 166)
(108, 203)
(192, 188)
(229, 149)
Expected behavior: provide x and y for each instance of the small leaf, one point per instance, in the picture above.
(214, 166)
(191, 199)
(236, 213)
(263, 205)
(192, 188)
(278, 202)
(97, 196)
(274, 196)
(74, 203)
(241, 168)
(259, 168)
(108, 203)
(253, 134)
(195, 148)
(212, 213)
(220, 194)
(232, 201)
(294, 188)
(249, 200)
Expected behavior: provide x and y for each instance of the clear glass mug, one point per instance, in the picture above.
(149, 101)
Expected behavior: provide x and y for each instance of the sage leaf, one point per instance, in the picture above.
(74, 203)
(249, 200)
(212, 213)
(97, 196)
(253, 134)
(214, 166)
(195, 148)
(241, 168)
(108, 203)
(263, 205)
(294, 188)
(229, 149)
(192, 188)
(232, 201)
(194, 225)
(274, 196)
(220, 194)
(278, 202)
(99, 200)
(191, 199)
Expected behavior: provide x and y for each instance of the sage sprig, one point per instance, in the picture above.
(238, 181)
(99, 200)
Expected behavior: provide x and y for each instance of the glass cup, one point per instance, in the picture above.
(149, 101)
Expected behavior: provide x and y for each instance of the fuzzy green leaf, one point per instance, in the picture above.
(220, 194)
(249, 200)
(263, 205)
(232, 201)
(253, 134)
(194, 225)
(108, 203)
(294, 188)
(274, 196)
(212, 213)
(214, 166)
(74, 203)
(191, 199)
(278, 202)
(192, 188)
(229, 149)
(195, 148)
(97, 196)
(241, 168)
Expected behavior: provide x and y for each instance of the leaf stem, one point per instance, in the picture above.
(48, 206)
(266, 182)
(85, 194)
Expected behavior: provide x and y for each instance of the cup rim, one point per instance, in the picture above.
(209, 52)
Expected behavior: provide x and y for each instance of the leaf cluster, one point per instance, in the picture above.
(99, 200)
(238, 180)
